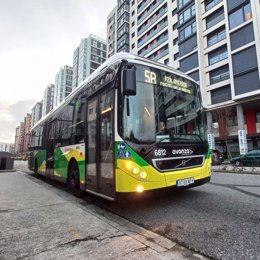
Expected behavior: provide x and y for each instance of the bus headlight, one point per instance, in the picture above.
(143, 174)
(129, 166)
(135, 170)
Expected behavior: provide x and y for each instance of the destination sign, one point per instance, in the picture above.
(165, 81)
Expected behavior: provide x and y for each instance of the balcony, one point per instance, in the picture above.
(162, 54)
(162, 26)
(217, 38)
(215, 21)
(219, 78)
(147, 13)
(217, 58)
(144, 6)
(211, 4)
(155, 18)
(154, 45)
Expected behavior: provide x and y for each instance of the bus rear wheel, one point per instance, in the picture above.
(73, 180)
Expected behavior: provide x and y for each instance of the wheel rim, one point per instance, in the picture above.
(237, 163)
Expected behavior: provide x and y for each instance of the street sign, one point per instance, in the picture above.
(211, 141)
(242, 141)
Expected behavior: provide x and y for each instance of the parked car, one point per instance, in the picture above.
(216, 157)
(251, 158)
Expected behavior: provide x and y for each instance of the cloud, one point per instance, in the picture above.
(38, 38)
(10, 117)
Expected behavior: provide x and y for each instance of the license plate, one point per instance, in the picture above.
(185, 182)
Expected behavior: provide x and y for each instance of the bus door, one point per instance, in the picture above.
(50, 150)
(100, 177)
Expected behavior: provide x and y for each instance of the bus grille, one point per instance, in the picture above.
(178, 163)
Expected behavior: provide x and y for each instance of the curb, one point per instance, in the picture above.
(236, 169)
(12, 170)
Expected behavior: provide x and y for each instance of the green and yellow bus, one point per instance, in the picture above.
(133, 125)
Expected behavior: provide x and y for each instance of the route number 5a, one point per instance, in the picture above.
(150, 77)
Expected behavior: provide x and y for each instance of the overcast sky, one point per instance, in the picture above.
(37, 37)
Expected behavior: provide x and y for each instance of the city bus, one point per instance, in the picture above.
(133, 125)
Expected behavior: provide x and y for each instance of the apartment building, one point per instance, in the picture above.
(17, 130)
(5, 147)
(217, 43)
(219, 46)
(48, 99)
(21, 139)
(63, 84)
(112, 33)
(27, 127)
(90, 54)
(36, 113)
(123, 8)
(118, 28)
(154, 30)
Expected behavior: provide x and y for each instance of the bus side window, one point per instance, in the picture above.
(66, 125)
(79, 119)
(44, 132)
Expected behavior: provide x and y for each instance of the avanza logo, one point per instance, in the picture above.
(182, 152)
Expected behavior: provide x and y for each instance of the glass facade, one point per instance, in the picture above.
(218, 55)
(240, 16)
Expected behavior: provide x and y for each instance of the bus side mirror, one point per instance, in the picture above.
(128, 82)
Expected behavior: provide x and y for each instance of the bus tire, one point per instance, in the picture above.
(73, 182)
(36, 174)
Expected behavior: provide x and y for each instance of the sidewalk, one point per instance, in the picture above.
(227, 167)
(39, 221)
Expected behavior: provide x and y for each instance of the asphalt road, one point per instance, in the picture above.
(220, 220)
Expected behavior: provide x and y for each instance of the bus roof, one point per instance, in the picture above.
(120, 56)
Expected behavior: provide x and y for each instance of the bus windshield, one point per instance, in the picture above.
(166, 107)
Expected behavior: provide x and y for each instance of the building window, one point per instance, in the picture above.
(187, 31)
(211, 3)
(216, 36)
(174, 12)
(220, 95)
(240, 16)
(176, 56)
(175, 41)
(218, 55)
(154, 43)
(257, 115)
(215, 18)
(152, 32)
(133, 46)
(187, 14)
(174, 27)
(182, 3)
(166, 62)
(219, 74)
(159, 53)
